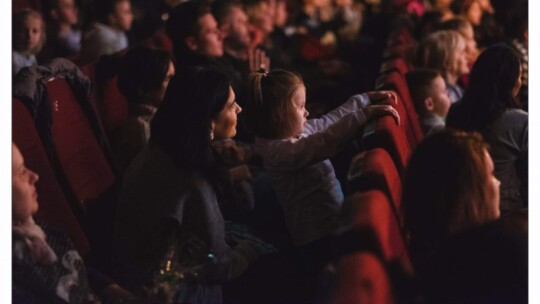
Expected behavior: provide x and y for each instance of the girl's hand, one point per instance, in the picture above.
(383, 97)
(375, 111)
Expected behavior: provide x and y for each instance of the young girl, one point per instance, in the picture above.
(295, 152)
(28, 38)
(444, 51)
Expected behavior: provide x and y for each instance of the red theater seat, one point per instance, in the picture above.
(54, 209)
(385, 133)
(362, 278)
(397, 64)
(80, 154)
(396, 82)
(373, 211)
(374, 169)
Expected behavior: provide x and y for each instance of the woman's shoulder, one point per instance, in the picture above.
(514, 118)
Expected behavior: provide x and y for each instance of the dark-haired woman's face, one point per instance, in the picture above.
(224, 126)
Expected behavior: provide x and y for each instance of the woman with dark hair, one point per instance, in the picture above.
(489, 106)
(143, 77)
(169, 219)
(461, 251)
(449, 188)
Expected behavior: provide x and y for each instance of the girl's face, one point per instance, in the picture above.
(492, 187)
(29, 39)
(300, 113)
(225, 125)
(24, 201)
(470, 44)
(460, 66)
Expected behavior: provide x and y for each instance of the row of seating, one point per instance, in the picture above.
(375, 178)
(71, 154)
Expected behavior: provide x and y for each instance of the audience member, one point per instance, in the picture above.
(238, 54)
(28, 38)
(196, 37)
(449, 188)
(143, 77)
(64, 39)
(46, 266)
(295, 153)
(172, 196)
(261, 19)
(490, 106)
(444, 7)
(465, 29)
(108, 34)
(444, 51)
(430, 97)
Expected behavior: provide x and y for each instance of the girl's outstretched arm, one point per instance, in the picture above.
(354, 103)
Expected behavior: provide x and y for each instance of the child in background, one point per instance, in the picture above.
(444, 51)
(107, 35)
(466, 30)
(28, 38)
(295, 153)
(63, 16)
(430, 97)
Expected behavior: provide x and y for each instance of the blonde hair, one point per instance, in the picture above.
(438, 50)
(19, 24)
(269, 110)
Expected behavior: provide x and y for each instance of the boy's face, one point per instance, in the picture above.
(209, 41)
(300, 113)
(67, 12)
(122, 17)
(440, 97)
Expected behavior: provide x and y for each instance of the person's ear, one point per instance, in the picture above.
(191, 43)
(429, 104)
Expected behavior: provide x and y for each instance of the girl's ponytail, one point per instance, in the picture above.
(269, 106)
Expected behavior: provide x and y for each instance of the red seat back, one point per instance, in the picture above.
(395, 81)
(372, 210)
(159, 40)
(79, 152)
(111, 105)
(362, 278)
(385, 133)
(397, 64)
(54, 209)
(375, 169)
